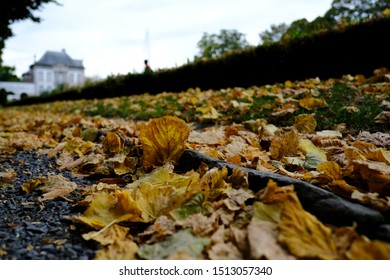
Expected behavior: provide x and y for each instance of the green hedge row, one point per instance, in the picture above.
(359, 49)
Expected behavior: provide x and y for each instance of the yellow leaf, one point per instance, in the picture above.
(303, 234)
(364, 249)
(106, 209)
(330, 169)
(305, 123)
(163, 140)
(306, 146)
(312, 103)
(107, 236)
(163, 191)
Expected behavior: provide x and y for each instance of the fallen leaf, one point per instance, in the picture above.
(284, 144)
(194, 206)
(305, 123)
(263, 241)
(119, 250)
(57, 186)
(112, 143)
(107, 209)
(163, 140)
(272, 193)
(303, 234)
(183, 241)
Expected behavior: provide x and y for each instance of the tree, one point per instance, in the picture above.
(15, 10)
(356, 10)
(340, 11)
(275, 34)
(7, 73)
(214, 45)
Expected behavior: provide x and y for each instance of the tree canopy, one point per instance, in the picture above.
(15, 10)
(214, 45)
(347, 11)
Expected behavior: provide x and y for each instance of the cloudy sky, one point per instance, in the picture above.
(115, 36)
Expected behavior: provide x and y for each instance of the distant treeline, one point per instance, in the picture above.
(356, 49)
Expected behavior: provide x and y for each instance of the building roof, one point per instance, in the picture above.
(51, 58)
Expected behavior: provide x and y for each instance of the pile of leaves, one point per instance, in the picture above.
(333, 134)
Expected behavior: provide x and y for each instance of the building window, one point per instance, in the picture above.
(49, 76)
(40, 76)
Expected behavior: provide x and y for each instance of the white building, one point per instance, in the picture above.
(53, 70)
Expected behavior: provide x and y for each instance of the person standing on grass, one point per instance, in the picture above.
(147, 67)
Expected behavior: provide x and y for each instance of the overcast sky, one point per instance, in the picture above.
(115, 36)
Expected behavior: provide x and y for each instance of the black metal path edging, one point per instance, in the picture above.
(326, 206)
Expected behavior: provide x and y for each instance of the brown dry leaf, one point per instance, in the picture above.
(305, 123)
(237, 197)
(284, 144)
(112, 143)
(78, 147)
(225, 251)
(303, 234)
(263, 241)
(373, 200)
(371, 152)
(272, 193)
(107, 209)
(8, 177)
(57, 186)
(25, 141)
(383, 117)
(122, 164)
(377, 175)
(163, 140)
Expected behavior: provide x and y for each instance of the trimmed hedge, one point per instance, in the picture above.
(359, 49)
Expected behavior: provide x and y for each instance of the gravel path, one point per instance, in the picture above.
(26, 230)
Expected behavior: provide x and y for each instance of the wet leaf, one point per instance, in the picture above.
(163, 140)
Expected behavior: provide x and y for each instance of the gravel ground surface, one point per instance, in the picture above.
(30, 231)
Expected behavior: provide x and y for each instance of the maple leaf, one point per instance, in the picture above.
(163, 140)
(162, 191)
